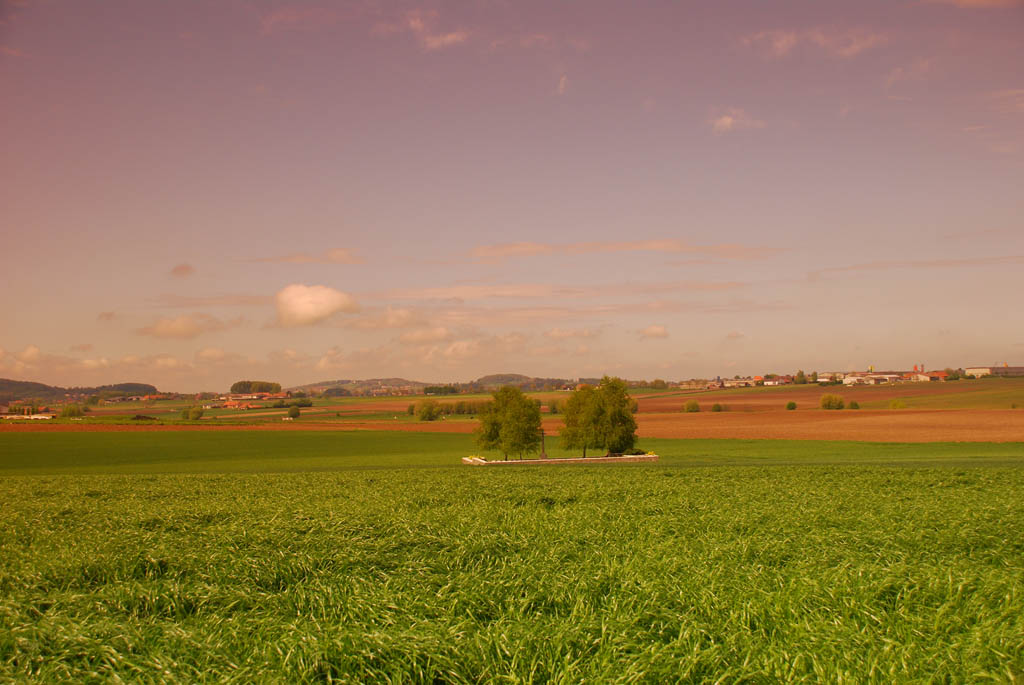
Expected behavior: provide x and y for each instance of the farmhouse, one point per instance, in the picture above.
(1004, 370)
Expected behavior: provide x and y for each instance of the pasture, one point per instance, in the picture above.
(241, 556)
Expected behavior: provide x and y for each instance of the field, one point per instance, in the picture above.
(357, 556)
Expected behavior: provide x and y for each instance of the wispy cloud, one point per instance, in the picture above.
(733, 119)
(914, 71)
(422, 24)
(182, 270)
(300, 18)
(563, 83)
(81, 347)
(654, 331)
(106, 317)
(338, 255)
(186, 326)
(304, 305)
(843, 43)
(421, 336)
(979, 4)
(11, 52)
(920, 264)
(674, 246)
(1008, 101)
(565, 333)
(191, 302)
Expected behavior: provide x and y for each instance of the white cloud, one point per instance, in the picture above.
(211, 354)
(914, 71)
(733, 119)
(183, 270)
(304, 305)
(844, 43)
(654, 331)
(337, 255)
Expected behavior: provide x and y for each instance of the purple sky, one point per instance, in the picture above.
(198, 192)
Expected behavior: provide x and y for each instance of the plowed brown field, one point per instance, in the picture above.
(955, 425)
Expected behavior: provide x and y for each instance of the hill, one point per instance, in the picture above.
(12, 390)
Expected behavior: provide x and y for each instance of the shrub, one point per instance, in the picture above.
(294, 412)
(553, 407)
(411, 409)
(303, 402)
(195, 413)
(897, 404)
(832, 402)
(853, 405)
(634, 407)
(71, 411)
(691, 407)
(717, 407)
(790, 406)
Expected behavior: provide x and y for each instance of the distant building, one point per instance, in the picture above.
(1004, 370)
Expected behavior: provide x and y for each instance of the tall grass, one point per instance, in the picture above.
(641, 574)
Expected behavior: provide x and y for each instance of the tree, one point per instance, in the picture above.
(716, 407)
(195, 413)
(790, 406)
(244, 387)
(510, 423)
(580, 431)
(814, 377)
(800, 378)
(71, 411)
(294, 412)
(428, 410)
(616, 427)
(691, 407)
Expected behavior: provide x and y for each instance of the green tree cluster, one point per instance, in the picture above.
(71, 411)
(800, 378)
(510, 423)
(242, 387)
(600, 418)
(428, 410)
(192, 413)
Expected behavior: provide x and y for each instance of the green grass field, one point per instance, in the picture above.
(355, 557)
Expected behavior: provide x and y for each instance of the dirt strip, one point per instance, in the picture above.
(952, 425)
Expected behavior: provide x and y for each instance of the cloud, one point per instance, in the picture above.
(733, 119)
(914, 71)
(11, 52)
(654, 331)
(563, 82)
(920, 264)
(734, 335)
(480, 292)
(106, 316)
(338, 255)
(211, 354)
(421, 25)
(186, 302)
(304, 305)
(422, 336)
(81, 347)
(564, 333)
(392, 317)
(528, 249)
(186, 326)
(1009, 101)
(298, 18)
(183, 270)
(774, 43)
(844, 43)
(979, 4)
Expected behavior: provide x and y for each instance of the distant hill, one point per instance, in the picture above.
(401, 385)
(11, 390)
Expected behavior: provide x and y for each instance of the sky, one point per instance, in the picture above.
(194, 193)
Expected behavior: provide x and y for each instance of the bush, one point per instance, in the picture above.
(553, 407)
(278, 405)
(897, 404)
(71, 411)
(832, 402)
(853, 405)
(195, 413)
(411, 409)
(790, 406)
(304, 402)
(294, 412)
(691, 407)
(718, 407)
(634, 407)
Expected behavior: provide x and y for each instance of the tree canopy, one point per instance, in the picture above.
(600, 417)
(510, 423)
(242, 387)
